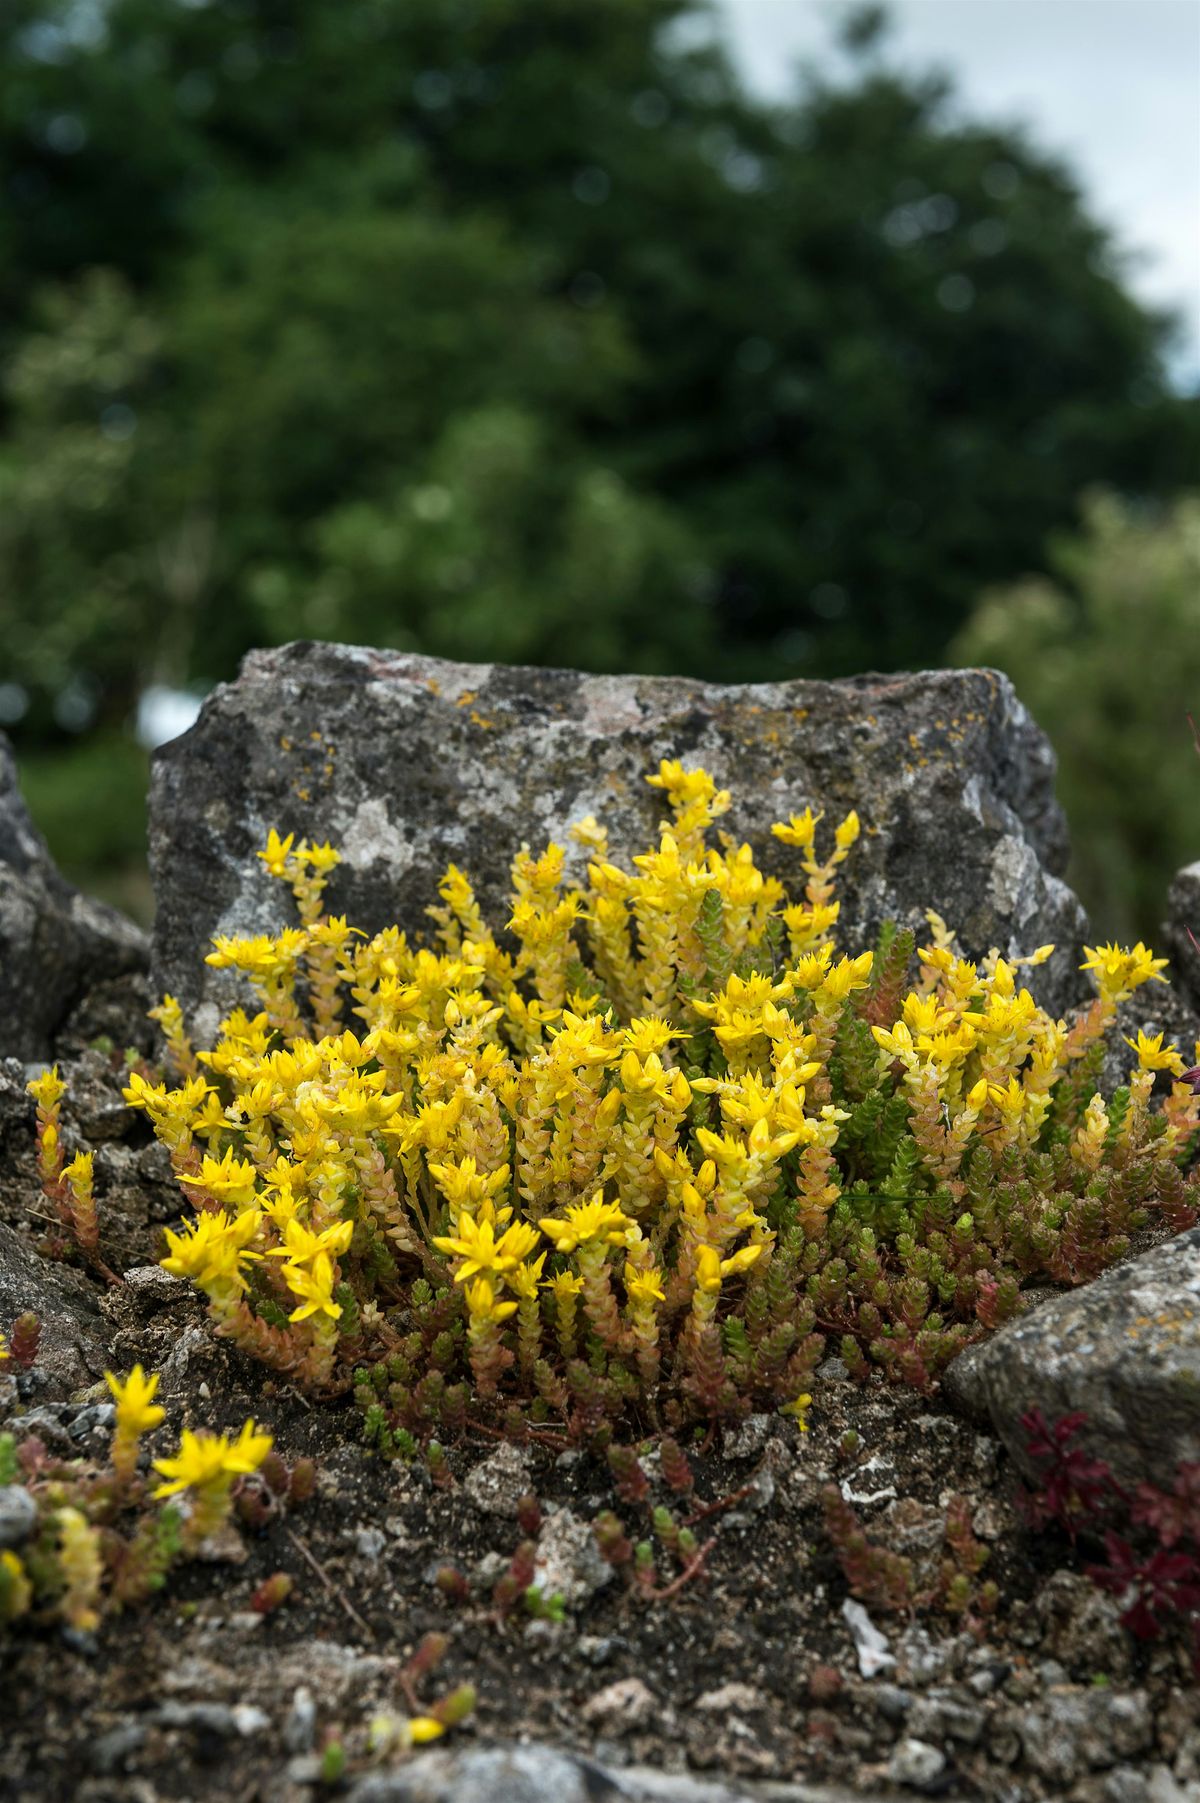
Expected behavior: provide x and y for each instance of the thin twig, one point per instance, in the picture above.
(549, 1436)
(334, 1590)
(723, 1502)
(692, 1569)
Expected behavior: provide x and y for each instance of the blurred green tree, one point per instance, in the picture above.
(104, 559)
(1106, 654)
(779, 388)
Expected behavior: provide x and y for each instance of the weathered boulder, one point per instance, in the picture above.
(1183, 919)
(407, 762)
(1125, 1349)
(55, 944)
(536, 1773)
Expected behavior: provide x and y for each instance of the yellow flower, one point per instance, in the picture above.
(644, 1287)
(809, 972)
(79, 1172)
(205, 1458)
(1153, 1057)
(301, 1245)
(137, 1411)
(588, 832)
(708, 1270)
(251, 1447)
(464, 1185)
(211, 1119)
(688, 785)
(799, 1407)
(211, 1250)
(228, 1179)
(260, 956)
(482, 1304)
(711, 1267)
(276, 853)
(925, 1014)
(169, 1015)
(896, 1041)
(314, 1287)
(476, 1244)
(847, 974)
(585, 1222)
(16, 1592)
(321, 858)
(1010, 1099)
(649, 1034)
(525, 1279)
(741, 1260)
(1119, 972)
(141, 1094)
(4, 1352)
(48, 1089)
(799, 829)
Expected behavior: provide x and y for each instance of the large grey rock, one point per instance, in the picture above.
(1125, 1349)
(407, 762)
(1183, 919)
(18, 1515)
(1082, 1730)
(55, 944)
(537, 1773)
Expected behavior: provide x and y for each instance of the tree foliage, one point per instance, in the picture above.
(1106, 652)
(520, 329)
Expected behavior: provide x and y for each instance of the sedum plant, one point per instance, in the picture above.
(94, 1543)
(645, 1156)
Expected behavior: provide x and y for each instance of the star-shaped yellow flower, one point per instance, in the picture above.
(584, 1222)
(137, 1411)
(204, 1459)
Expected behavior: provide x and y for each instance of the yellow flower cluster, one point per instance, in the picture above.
(590, 1135)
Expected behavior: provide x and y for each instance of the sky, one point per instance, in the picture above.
(1112, 85)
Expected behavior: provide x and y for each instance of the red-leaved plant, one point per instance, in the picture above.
(1151, 1537)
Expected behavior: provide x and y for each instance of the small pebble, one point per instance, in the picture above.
(916, 1764)
(110, 1751)
(18, 1515)
(300, 1723)
(730, 1699)
(618, 1707)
